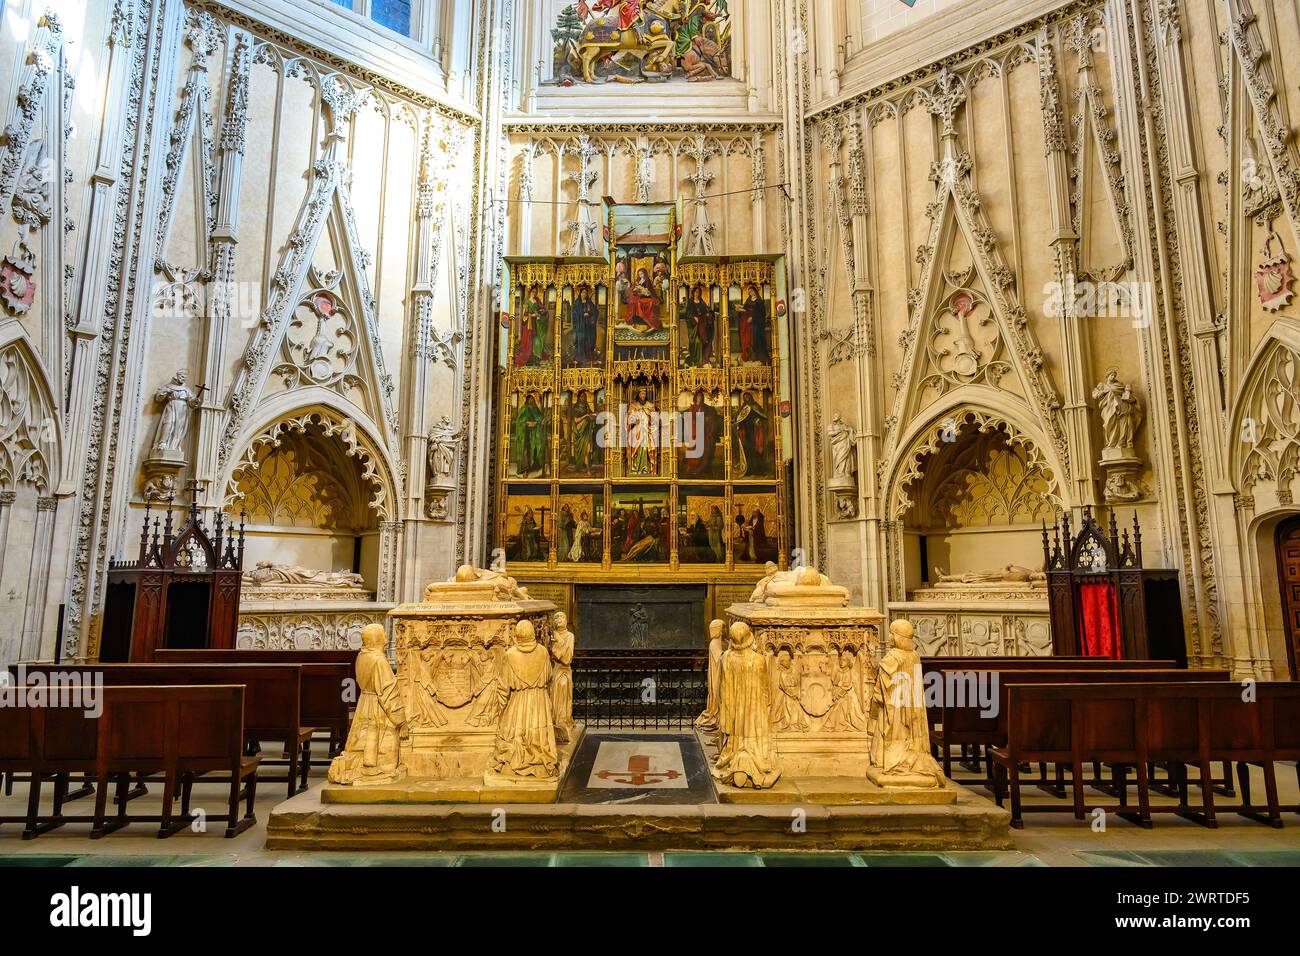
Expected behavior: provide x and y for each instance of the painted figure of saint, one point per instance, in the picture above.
(583, 316)
(530, 538)
(584, 456)
(755, 537)
(642, 299)
(751, 438)
(717, 526)
(754, 343)
(530, 438)
(525, 738)
(701, 328)
(534, 328)
(701, 427)
(580, 532)
(565, 525)
(642, 442)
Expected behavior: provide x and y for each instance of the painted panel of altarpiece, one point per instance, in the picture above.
(643, 407)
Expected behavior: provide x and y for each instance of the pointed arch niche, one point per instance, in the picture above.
(317, 494)
(970, 494)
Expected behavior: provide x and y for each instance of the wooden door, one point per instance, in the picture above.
(1288, 563)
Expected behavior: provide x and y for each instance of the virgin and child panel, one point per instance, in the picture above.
(754, 527)
(583, 332)
(701, 525)
(753, 430)
(530, 436)
(582, 437)
(700, 436)
(750, 307)
(528, 525)
(640, 526)
(698, 335)
(532, 337)
(580, 525)
(641, 283)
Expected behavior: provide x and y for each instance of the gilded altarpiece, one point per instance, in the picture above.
(643, 411)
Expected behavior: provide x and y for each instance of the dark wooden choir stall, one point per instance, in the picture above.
(1102, 601)
(181, 592)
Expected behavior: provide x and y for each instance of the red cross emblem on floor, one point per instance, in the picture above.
(638, 773)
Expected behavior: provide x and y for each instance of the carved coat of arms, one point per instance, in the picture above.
(1273, 278)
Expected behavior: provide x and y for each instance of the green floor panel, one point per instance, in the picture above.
(807, 859)
(712, 859)
(34, 859)
(1110, 858)
(601, 859)
(120, 860)
(903, 859)
(506, 859)
(1000, 858)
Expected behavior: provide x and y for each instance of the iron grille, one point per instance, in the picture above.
(647, 690)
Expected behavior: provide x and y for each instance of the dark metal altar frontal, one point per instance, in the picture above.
(643, 410)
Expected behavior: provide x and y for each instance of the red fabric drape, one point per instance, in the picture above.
(1099, 621)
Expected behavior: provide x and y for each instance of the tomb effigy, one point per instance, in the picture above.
(1001, 611)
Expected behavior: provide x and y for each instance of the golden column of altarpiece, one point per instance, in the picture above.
(643, 414)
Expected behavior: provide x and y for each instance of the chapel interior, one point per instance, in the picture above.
(685, 372)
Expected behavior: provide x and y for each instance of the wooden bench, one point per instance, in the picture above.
(272, 701)
(1135, 725)
(180, 732)
(325, 677)
(963, 722)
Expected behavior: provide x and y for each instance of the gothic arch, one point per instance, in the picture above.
(1264, 441)
(30, 430)
(355, 436)
(973, 407)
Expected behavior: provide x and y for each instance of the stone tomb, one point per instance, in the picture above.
(822, 655)
(450, 649)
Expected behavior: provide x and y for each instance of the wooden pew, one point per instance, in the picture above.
(272, 701)
(180, 732)
(965, 725)
(1137, 724)
(325, 676)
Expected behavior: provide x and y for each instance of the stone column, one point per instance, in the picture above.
(38, 579)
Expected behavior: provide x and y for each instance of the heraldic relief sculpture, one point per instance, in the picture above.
(481, 701)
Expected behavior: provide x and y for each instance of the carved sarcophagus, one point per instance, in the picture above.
(822, 664)
(449, 650)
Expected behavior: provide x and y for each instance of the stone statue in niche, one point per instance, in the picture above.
(1121, 413)
(443, 439)
(708, 719)
(562, 676)
(843, 483)
(371, 754)
(525, 737)
(1121, 416)
(844, 444)
(898, 728)
(748, 756)
(177, 399)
